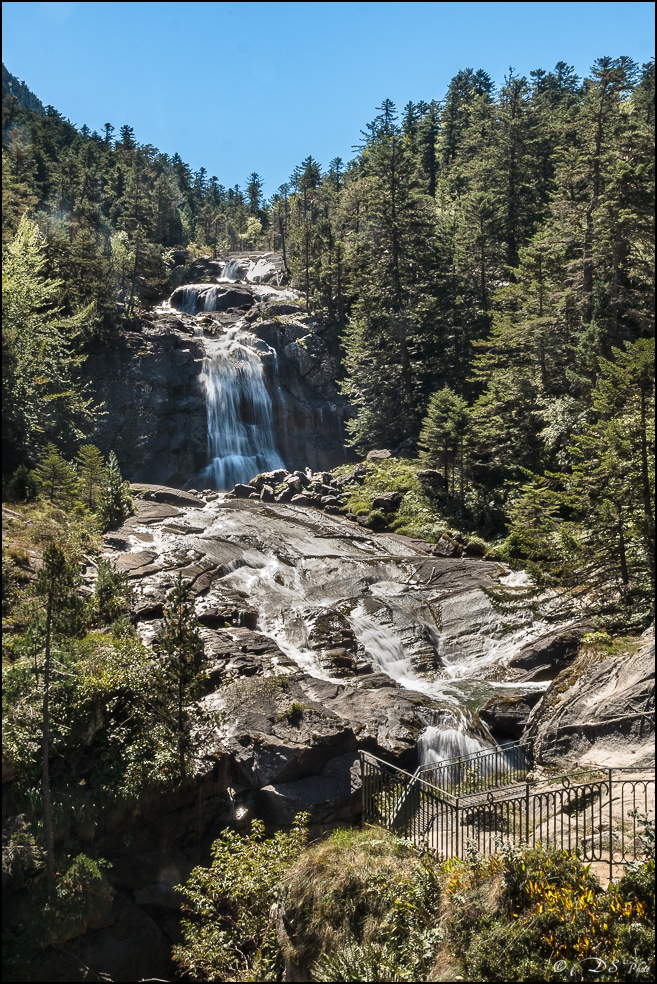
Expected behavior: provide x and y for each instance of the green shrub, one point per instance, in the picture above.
(228, 930)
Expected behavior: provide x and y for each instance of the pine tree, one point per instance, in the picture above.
(183, 660)
(392, 275)
(445, 431)
(55, 477)
(590, 530)
(42, 393)
(91, 474)
(115, 503)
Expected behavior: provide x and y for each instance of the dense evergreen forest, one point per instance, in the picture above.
(488, 260)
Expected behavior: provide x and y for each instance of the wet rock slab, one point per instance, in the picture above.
(307, 622)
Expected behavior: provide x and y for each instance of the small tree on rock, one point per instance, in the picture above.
(115, 504)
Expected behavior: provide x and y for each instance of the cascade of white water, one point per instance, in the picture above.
(454, 736)
(440, 744)
(187, 300)
(384, 648)
(241, 439)
(232, 270)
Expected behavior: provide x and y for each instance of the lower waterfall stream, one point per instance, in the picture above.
(319, 584)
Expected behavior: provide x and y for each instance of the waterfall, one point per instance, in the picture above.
(240, 430)
(385, 649)
(186, 299)
(232, 270)
(456, 733)
(441, 744)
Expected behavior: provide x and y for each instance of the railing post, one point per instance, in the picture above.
(362, 790)
(527, 812)
(611, 814)
(456, 814)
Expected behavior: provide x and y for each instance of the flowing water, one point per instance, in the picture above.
(467, 638)
(232, 270)
(241, 439)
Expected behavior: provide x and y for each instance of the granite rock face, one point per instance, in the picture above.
(545, 657)
(507, 716)
(599, 710)
(153, 395)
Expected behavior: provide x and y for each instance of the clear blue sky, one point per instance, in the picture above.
(241, 87)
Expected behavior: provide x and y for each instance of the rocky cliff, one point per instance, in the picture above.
(153, 386)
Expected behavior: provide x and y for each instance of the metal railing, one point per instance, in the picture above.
(594, 813)
(489, 768)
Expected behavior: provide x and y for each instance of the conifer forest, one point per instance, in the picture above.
(365, 468)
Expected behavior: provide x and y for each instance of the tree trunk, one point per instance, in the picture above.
(462, 467)
(282, 232)
(45, 773)
(621, 549)
(645, 484)
(181, 736)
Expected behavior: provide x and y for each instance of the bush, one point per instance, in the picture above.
(229, 933)
(23, 484)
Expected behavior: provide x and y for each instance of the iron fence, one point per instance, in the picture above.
(594, 813)
(489, 768)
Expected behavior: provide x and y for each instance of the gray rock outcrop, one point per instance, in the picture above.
(548, 655)
(599, 710)
(155, 404)
(507, 716)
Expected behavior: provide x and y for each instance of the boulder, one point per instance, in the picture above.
(507, 716)
(388, 501)
(162, 493)
(294, 484)
(272, 478)
(446, 547)
(331, 796)
(407, 449)
(431, 478)
(475, 549)
(132, 948)
(301, 500)
(242, 491)
(270, 310)
(379, 455)
(548, 655)
(267, 493)
(178, 276)
(600, 710)
(301, 359)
